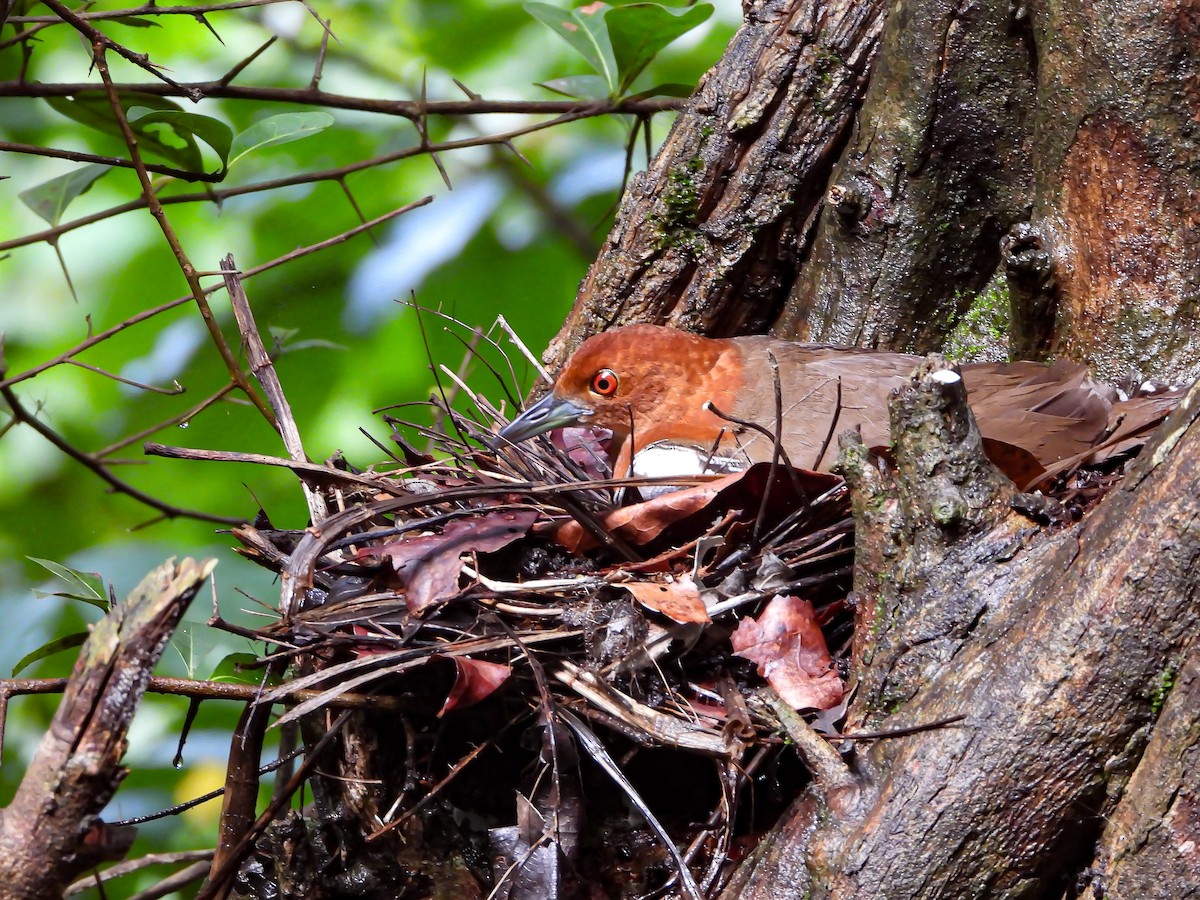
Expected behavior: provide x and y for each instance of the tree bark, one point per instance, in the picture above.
(51, 832)
(710, 236)
(1054, 646)
(936, 173)
(1042, 155)
(1150, 848)
(1047, 150)
(1115, 223)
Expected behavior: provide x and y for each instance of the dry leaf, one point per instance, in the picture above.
(642, 523)
(786, 643)
(474, 680)
(677, 600)
(429, 565)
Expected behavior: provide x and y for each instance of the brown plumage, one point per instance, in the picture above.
(651, 386)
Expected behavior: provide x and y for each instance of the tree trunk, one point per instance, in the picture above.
(1047, 150)
(1043, 155)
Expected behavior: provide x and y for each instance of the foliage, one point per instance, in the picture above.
(245, 169)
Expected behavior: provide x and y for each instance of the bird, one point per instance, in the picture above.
(678, 403)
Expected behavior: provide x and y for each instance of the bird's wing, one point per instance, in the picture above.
(1052, 412)
(824, 391)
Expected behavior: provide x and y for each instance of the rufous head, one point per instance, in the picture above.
(645, 380)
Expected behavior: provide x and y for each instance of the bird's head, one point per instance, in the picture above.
(642, 380)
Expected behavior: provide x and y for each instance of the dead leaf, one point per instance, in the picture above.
(678, 600)
(474, 680)
(642, 523)
(787, 645)
(588, 448)
(429, 565)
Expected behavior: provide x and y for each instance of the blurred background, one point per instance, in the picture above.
(512, 237)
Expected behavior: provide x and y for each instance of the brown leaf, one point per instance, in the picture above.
(677, 600)
(429, 565)
(474, 680)
(588, 448)
(786, 643)
(642, 523)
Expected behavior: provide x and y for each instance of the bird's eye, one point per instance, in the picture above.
(604, 383)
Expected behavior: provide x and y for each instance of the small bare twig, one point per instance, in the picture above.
(116, 161)
(185, 265)
(263, 370)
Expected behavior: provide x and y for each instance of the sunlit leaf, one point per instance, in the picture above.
(96, 112)
(640, 30)
(49, 649)
(85, 585)
(188, 126)
(50, 199)
(582, 87)
(281, 129)
(586, 31)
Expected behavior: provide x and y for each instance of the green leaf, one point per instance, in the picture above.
(86, 586)
(640, 30)
(281, 129)
(49, 649)
(50, 200)
(243, 667)
(96, 112)
(189, 126)
(134, 22)
(582, 87)
(586, 32)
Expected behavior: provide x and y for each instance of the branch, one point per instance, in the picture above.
(412, 110)
(299, 252)
(51, 832)
(49, 235)
(116, 161)
(189, 271)
(101, 42)
(20, 414)
(264, 371)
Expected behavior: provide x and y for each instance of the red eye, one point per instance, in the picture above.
(604, 383)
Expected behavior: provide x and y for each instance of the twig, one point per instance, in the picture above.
(147, 9)
(101, 42)
(827, 767)
(50, 832)
(263, 370)
(185, 265)
(185, 416)
(406, 109)
(209, 690)
(138, 318)
(171, 512)
(115, 161)
(217, 196)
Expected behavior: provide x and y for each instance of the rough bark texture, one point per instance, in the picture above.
(936, 173)
(1150, 849)
(1054, 647)
(709, 237)
(1047, 150)
(1116, 224)
(51, 833)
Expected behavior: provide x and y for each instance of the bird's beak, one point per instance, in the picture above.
(548, 413)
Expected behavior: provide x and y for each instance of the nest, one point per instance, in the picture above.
(507, 662)
(554, 661)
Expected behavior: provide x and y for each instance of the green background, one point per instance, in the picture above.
(483, 249)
